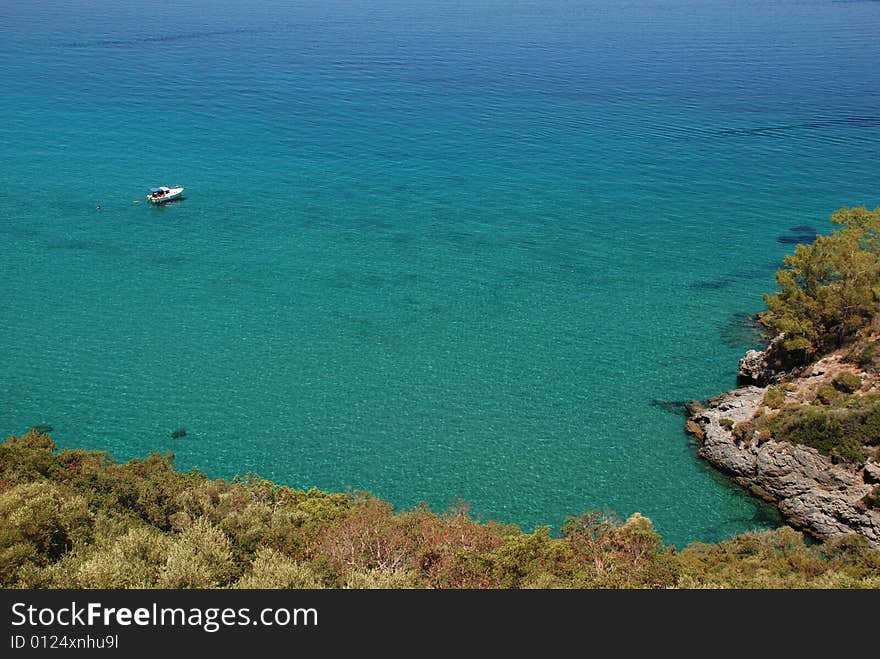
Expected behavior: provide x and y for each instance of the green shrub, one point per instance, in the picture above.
(39, 523)
(201, 558)
(743, 430)
(134, 560)
(726, 423)
(829, 431)
(272, 569)
(863, 418)
(847, 383)
(76, 519)
(846, 546)
(382, 580)
(774, 398)
(864, 356)
(829, 395)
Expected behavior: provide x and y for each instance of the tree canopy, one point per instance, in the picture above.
(77, 519)
(829, 290)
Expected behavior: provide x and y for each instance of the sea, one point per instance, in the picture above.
(445, 252)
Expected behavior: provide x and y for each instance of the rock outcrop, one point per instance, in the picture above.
(760, 367)
(813, 493)
(753, 367)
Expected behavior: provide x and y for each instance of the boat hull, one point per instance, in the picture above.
(171, 195)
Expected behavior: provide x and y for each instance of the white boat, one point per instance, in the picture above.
(164, 194)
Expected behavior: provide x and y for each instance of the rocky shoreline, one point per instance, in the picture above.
(814, 494)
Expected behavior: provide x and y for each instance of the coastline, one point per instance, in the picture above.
(814, 493)
(75, 518)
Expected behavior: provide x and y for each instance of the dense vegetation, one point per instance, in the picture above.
(840, 428)
(76, 518)
(830, 289)
(828, 301)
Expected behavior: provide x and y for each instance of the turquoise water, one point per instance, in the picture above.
(452, 251)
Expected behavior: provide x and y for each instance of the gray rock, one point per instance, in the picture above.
(761, 367)
(753, 367)
(812, 492)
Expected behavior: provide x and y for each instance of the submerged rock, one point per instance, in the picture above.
(43, 428)
(671, 406)
(177, 434)
(682, 407)
(801, 234)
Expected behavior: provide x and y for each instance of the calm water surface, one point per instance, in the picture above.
(456, 250)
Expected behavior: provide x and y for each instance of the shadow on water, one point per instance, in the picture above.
(166, 204)
(756, 515)
(764, 515)
(802, 234)
(728, 280)
(743, 330)
(162, 38)
(711, 285)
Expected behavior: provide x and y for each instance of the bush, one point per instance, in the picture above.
(272, 569)
(743, 430)
(827, 431)
(379, 580)
(82, 521)
(726, 423)
(872, 498)
(201, 558)
(864, 356)
(774, 398)
(863, 419)
(829, 395)
(134, 560)
(847, 383)
(39, 523)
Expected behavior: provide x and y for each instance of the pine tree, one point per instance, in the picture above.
(829, 290)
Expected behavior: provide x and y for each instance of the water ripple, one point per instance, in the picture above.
(163, 38)
(824, 124)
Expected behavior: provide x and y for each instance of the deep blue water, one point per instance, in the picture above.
(443, 251)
